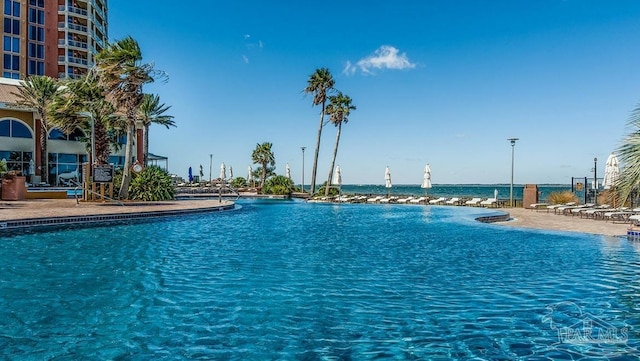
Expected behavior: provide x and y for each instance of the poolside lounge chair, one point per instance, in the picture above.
(538, 206)
(418, 200)
(555, 206)
(374, 199)
(437, 201)
(404, 200)
(388, 200)
(566, 210)
(473, 201)
(453, 200)
(489, 202)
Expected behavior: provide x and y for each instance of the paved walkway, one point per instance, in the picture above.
(46, 212)
(528, 218)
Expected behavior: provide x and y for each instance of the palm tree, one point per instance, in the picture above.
(120, 72)
(85, 96)
(264, 156)
(339, 109)
(629, 181)
(38, 93)
(151, 111)
(319, 84)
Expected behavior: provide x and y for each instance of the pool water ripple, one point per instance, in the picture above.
(290, 280)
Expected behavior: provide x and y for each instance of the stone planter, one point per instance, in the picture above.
(13, 188)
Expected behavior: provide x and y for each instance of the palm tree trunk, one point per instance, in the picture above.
(126, 172)
(44, 157)
(333, 160)
(264, 174)
(145, 147)
(315, 157)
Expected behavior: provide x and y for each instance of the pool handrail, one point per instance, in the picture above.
(79, 186)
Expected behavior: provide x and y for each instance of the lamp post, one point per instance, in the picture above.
(210, 165)
(513, 145)
(303, 148)
(595, 181)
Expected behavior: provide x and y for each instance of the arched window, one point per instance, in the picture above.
(13, 128)
(76, 135)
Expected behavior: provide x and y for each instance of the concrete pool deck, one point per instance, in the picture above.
(528, 218)
(52, 212)
(48, 212)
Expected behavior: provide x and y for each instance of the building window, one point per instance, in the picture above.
(12, 8)
(14, 129)
(64, 166)
(76, 135)
(17, 160)
(11, 44)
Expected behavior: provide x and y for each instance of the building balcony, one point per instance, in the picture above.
(73, 43)
(71, 59)
(72, 26)
(72, 9)
(98, 9)
(70, 76)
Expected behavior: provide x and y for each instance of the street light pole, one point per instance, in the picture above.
(595, 181)
(303, 148)
(210, 165)
(513, 145)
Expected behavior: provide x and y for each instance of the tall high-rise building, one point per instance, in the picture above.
(57, 38)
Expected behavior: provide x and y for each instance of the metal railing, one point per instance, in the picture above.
(79, 186)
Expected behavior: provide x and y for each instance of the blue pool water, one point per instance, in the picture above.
(296, 281)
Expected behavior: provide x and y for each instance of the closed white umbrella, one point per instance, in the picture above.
(495, 193)
(337, 176)
(611, 171)
(426, 180)
(223, 171)
(387, 180)
(230, 172)
(249, 172)
(287, 171)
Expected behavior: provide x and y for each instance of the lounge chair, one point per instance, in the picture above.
(555, 206)
(388, 200)
(418, 200)
(473, 201)
(404, 200)
(437, 201)
(454, 201)
(538, 206)
(374, 199)
(489, 202)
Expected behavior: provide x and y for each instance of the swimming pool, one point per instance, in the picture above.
(291, 280)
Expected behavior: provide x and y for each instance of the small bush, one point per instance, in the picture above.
(238, 182)
(152, 184)
(333, 191)
(562, 197)
(279, 185)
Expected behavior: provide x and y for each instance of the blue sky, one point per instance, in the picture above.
(438, 82)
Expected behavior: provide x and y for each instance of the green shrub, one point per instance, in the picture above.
(279, 185)
(562, 197)
(333, 191)
(238, 182)
(152, 184)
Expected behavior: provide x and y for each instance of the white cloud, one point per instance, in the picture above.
(385, 57)
(245, 59)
